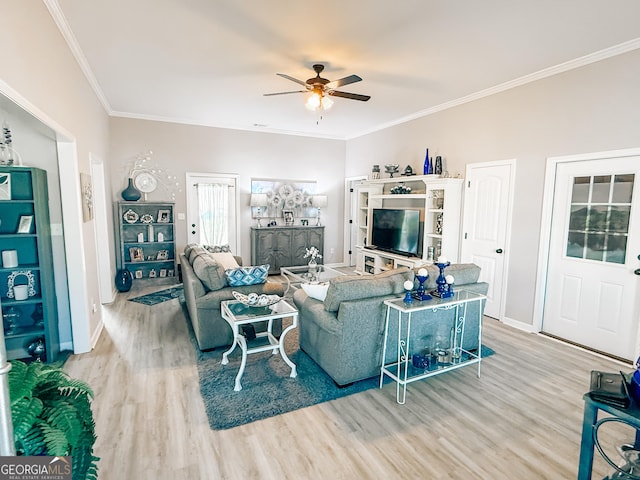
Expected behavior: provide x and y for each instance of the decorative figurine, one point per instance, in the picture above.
(408, 287)
(442, 291)
(420, 293)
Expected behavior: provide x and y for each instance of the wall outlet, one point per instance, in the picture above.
(181, 216)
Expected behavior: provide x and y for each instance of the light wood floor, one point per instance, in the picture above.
(521, 420)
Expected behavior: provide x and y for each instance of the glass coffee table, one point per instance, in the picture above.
(298, 275)
(237, 314)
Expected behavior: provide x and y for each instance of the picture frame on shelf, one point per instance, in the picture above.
(163, 272)
(136, 254)
(164, 216)
(162, 255)
(288, 217)
(5, 186)
(25, 224)
(138, 274)
(170, 272)
(152, 273)
(130, 216)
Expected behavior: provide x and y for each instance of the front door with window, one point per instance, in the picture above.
(592, 294)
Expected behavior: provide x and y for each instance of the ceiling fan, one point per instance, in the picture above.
(321, 88)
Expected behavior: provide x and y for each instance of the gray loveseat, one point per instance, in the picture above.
(344, 333)
(205, 287)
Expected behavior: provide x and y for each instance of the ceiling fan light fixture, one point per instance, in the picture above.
(314, 102)
(318, 101)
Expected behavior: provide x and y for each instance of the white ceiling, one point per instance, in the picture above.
(209, 62)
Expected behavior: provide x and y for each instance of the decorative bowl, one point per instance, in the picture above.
(255, 300)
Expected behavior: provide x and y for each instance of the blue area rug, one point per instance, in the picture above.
(160, 296)
(267, 389)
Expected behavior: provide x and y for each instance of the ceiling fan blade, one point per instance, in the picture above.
(351, 96)
(344, 81)
(284, 75)
(283, 93)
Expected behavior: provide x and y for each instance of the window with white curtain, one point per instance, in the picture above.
(213, 211)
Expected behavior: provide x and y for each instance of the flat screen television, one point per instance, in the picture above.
(396, 231)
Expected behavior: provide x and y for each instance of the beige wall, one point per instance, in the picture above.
(184, 148)
(39, 67)
(590, 109)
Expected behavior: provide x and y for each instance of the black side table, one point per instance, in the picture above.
(590, 422)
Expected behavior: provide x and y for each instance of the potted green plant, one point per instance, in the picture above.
(52, 415)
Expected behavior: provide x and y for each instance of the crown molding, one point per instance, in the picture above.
(76, 51)
(532, 77)
(252, 128)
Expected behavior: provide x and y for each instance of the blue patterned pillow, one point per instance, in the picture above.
(217, 248)
(237, 277)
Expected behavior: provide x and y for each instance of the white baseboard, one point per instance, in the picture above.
(527, 327)
(96, 334)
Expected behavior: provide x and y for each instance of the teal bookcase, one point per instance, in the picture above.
(145, 240)
(26, 229)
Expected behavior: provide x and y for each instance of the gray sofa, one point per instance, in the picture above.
(205, 287)
(344, 333)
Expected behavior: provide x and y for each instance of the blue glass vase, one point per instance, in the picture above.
(426, 163)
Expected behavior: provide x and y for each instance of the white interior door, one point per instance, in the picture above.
(592, 296)
(212, 210)
(487, 215)
(351, 228)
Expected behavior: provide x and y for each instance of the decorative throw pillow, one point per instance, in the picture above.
(210, 273)
(225, 259)
(218, 248)
(316, 290)
(253, 275)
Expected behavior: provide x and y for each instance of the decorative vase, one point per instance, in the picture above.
(426, 163)
(131, 193)
(124, 280)
(437, 169)
(37, 349)
(38, 316)
(313, 266)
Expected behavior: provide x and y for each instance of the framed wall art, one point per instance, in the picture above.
(291, 195)
(86, 189)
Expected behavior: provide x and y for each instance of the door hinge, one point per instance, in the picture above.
(351, 190)
(350, 221)
(465, 235)
(350, 252)
(468, 183)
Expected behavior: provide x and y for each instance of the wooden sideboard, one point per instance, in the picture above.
(284, 246)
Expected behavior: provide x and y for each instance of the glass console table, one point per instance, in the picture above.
(401, 368)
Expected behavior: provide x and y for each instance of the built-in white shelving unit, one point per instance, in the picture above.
(439, 201)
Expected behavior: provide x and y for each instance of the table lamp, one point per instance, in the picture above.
(319, 201)
(259, 200)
